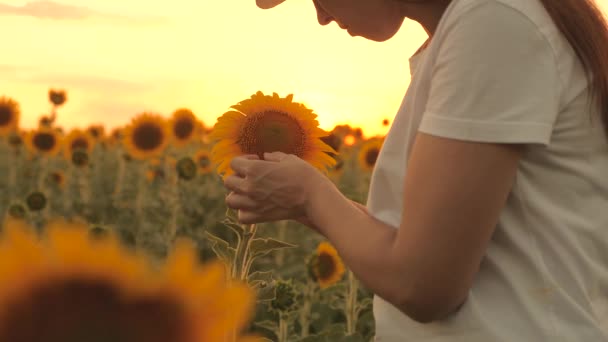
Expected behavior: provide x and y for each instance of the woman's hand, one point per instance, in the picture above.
(274, 189)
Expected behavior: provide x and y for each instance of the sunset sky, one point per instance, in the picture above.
(117, 58)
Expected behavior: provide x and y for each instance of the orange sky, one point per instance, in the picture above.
(117, 58)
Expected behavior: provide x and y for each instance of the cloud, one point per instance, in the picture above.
(44, 9)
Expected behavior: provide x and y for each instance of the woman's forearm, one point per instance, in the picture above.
(364, 243)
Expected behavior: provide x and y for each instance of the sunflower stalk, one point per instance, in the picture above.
(120, 173)
(139, 202)
(12, 170)
(279, 256)
(242, 262)
(351, 308)
(67, 198)
(283, 329)
(305, 311)
(84, 190)
(42, 166)
(173, 200)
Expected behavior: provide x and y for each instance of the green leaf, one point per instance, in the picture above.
(221, 248)
(265, 294)
(365, 303)
(261, 246)
(236, 227)
(260, 279)
(269, 325)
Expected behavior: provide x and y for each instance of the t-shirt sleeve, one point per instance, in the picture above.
(495, 79)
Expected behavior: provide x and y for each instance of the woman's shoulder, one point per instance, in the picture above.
(503, 11)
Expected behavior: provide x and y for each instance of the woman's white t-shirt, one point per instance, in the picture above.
(500, 71)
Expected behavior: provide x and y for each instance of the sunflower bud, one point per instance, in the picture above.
(285, 297)
(57, 97)
(186, 168)
(15, 140)
(36, 201)
(16, 211)
(57, 178)
(80, 158)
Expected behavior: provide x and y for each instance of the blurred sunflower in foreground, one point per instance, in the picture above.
(265, 123)
(325, 266)
(44, 140)
(146, 136)
(76, 286)
(9, 116)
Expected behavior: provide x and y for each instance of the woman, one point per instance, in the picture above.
(487, 212)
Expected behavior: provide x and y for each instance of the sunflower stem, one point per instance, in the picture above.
(283, 329)
(304, 317)
(174, 203)
(351, 304)
(279, 256)
(139, 203)
(120, 173)
(84, 189)
(242, 264)
(42, 165)
(67, 197)
(12, 171)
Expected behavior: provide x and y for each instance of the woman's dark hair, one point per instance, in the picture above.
(585, 27)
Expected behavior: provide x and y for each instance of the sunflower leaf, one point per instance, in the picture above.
(268, 325)
(236, 227)
(221, 248)
(260, 279)
(260, 247)
(266, 294)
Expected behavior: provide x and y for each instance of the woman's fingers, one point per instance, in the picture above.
(236, 183)
(241, 202)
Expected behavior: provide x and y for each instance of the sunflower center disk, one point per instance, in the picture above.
(44, 141)
(80, 310)
(204, 162)
(325, 266)
(5, 115)
(183, 129)
(147, 137)
(371, 156)
(79, 143)
(272, 131)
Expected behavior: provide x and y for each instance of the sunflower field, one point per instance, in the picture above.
(152, 190)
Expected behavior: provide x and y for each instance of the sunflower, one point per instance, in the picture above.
(116, 135)
(202, 158)
(98, 132)
(337, 170)
(44, 140)
(72, 286)
(57, 178)
(77, 140)
(9, 116)
(326, 266)
(57, 97)
(265, 123)
(184, 127)
(146, 136)
(369, 153)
